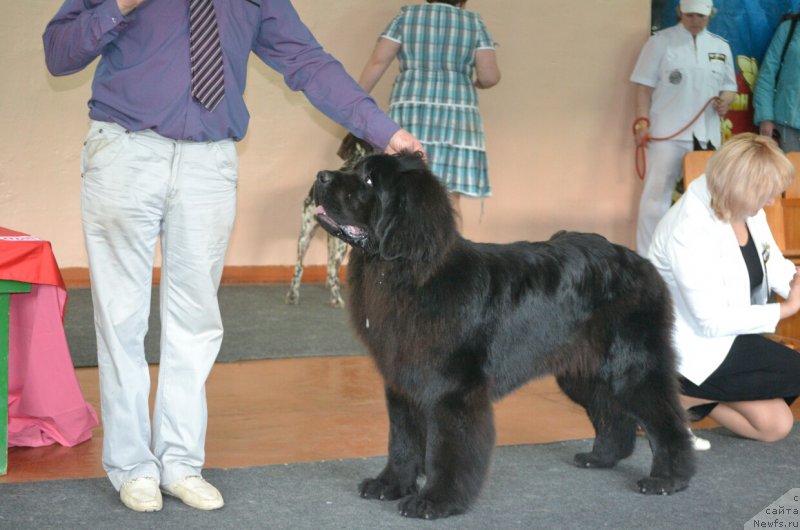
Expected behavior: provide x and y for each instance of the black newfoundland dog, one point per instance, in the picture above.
(454, 325)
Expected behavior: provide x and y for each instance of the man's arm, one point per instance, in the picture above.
(77, 35)
(286, 44)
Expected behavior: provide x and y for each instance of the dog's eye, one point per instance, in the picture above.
(368, 181)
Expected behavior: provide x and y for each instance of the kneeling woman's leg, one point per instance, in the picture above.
(753, 388)
(767, 420)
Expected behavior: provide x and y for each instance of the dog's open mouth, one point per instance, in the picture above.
(349, 233)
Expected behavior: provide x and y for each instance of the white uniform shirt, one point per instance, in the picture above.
(685, 73)
(700, 260)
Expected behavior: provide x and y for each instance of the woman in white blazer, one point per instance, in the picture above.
(717, 254)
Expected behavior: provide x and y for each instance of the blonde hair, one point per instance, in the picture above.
(746, 173)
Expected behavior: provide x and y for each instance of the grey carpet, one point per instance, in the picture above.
(533, 486)
(258, 325)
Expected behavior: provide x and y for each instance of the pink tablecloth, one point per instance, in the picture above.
(45, 402)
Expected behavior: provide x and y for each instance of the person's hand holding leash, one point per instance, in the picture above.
(641, 130)
(721, 106)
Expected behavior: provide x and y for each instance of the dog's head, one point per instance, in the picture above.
(389, 206)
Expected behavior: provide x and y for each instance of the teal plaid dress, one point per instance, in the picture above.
(433, 96)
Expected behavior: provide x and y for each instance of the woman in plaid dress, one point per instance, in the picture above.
(445, 53)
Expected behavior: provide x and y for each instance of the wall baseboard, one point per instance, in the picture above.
(78, 277)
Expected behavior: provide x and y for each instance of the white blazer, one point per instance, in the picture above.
(700, 259)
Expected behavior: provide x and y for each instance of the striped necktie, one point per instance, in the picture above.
(208, 84)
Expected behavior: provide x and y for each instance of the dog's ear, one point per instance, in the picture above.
(353, 148)
(345, 150)
(415, 217)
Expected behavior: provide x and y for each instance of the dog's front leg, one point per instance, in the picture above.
(460, 440)
(336, 251)
(308, 226)
(406, 452)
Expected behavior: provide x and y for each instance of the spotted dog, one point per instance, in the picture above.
(351, 151)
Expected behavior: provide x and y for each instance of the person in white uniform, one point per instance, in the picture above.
(679, 69)
(720, 261)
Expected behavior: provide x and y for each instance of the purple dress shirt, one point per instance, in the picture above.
(143, 79)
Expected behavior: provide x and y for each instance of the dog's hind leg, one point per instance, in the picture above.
(336, 251)
(615, 429)
(645, 384)
(308, 226)
(655, 403)
(406, 452)
(460, 439)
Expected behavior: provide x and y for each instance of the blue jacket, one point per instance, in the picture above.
(782, 105)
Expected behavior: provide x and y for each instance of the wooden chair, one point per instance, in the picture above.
(790, 327)
(783, 218)
(694, 165)
(791, 213)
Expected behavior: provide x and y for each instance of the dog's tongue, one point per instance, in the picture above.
(353, 232)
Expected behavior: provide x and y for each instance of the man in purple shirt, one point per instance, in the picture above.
(158, 164)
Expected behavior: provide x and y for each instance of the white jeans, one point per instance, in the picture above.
(664, 168)
(138, 187)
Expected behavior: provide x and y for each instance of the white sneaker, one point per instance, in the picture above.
(699, 444)
(194, 491)
(141, 494)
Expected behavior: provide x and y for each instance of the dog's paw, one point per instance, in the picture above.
(336, 301)
(373, 488)
(660, 486)
(591, 460)
(421, 508)
(292, 298)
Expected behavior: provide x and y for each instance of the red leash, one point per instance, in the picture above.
(641, 153)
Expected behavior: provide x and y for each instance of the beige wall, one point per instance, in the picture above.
(557, 127)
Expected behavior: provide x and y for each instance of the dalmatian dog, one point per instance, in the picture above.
(351, 151)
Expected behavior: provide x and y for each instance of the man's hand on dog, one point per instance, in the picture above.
(403, 140)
